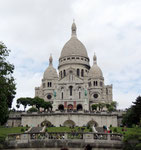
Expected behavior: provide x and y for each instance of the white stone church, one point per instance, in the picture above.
(78, 84)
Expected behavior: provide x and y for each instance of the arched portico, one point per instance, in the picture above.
(70, 107)
(46, 123)
(79, 107)
(69, 123)
(61, 107)
(92, 123)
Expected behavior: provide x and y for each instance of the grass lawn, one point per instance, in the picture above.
(126, 130)
(67, 129)
(5, 131)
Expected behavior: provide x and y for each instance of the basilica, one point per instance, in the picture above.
(78, 85)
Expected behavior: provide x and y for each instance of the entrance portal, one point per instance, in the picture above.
(69, 123)
(70, 107)
(61, 107)
(79, 107)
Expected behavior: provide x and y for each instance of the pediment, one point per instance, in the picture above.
(71, 79)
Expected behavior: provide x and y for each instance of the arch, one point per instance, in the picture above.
(82, 73)
(79, 107)
(79, 95)
(70, 107)
(61, 74)
(70, 90)
(64, 73)
(61, 107)
(62, 95)
(92, 123)
(46, 123)
(78, 72)
(69, 123)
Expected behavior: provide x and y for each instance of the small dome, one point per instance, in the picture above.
(50, 72)
(74, 47)
(95, 71)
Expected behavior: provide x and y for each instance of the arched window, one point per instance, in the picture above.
(70, 90)
(62, 95)
(89, 84)
(61, 74)
(64, 73)
(50, 84)
(94, 83)
(78, 72)
(82, 73)
(79, 95)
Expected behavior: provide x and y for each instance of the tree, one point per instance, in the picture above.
(7, 84)
(38, 102)
(101, 106)
(47, 106)
(23, 101)
(32, 109)
(133, 114)
(94, 106)
(112, 106)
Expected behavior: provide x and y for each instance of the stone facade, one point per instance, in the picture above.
(78, 85)
(65, 119)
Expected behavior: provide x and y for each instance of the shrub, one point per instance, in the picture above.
(32, 109)
(22, 129)
(115, 130)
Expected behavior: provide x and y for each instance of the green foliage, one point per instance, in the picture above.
(112, 106)
(132, 137)
(90, 130)
(94, 106)
(5, 131)
(67, 129)
(101, 106)
(36, 101)
(47, 106)
(24, 101)
(7, 84)
(32, 109)
(133, 114)
(22, 129)
(115, 130)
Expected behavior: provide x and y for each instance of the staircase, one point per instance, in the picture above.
(36, 129)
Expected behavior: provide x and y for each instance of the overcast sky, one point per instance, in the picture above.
(32, 29)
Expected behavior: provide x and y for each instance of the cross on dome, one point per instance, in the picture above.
(95, 59)
(73, 28)
(50, 60)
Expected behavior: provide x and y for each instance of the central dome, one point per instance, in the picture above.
(74, 47)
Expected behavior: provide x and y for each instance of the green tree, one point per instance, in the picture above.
(38, 102)
(23, 101)
(133, 114)
(101, 106)
(94, 106)
(32, 109)
(47, 106)
(7, 84)
(112, 106)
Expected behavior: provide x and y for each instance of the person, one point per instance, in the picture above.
(88, 147)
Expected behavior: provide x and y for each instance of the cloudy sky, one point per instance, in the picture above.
(32, 29)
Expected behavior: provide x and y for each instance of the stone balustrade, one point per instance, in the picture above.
(66, 135)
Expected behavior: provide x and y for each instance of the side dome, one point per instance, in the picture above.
(74, 47)
(50, 72)
(95, 71)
